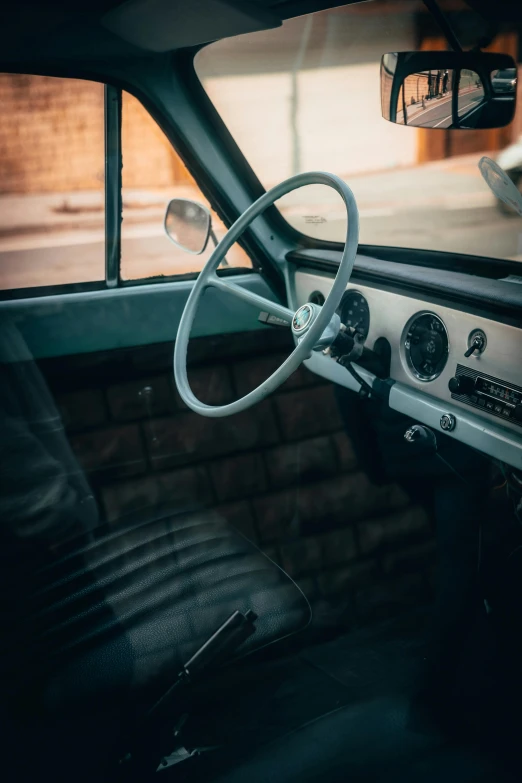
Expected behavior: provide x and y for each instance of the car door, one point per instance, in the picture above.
(97, 309)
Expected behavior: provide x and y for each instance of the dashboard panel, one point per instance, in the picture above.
(428, 344)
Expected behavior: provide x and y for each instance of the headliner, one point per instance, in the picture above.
(43, 31)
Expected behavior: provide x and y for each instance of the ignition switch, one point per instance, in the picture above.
(448, 422)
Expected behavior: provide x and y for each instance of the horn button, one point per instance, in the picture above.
(302, 319)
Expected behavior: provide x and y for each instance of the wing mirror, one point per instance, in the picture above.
(188, 224)
(448, 90)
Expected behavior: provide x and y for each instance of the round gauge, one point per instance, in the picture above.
(354, 312)
(426, 345)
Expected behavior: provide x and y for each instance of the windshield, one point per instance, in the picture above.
(508, 73)
(306, 97)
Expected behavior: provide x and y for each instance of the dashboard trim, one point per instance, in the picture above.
(497, 300)
(487, 437)
(425, 401)
(501, 443)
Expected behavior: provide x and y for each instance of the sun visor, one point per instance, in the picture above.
(162, 25)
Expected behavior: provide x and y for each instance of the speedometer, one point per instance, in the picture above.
(355, 312)
(426, 346)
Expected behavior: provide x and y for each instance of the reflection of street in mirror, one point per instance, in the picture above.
(471, 93)
(426, 98)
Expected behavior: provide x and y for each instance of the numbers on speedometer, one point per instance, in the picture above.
(354, 312)
(426, 346)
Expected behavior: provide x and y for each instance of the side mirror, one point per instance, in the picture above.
(188, 224)
(448, 90)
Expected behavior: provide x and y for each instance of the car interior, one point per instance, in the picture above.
(261, 391)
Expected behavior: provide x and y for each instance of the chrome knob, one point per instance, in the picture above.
(448, 422)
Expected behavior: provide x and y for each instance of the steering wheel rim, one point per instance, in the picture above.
(321, 317)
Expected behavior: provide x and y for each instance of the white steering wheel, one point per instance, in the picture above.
(308, 322)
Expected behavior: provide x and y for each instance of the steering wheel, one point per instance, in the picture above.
(308, 323)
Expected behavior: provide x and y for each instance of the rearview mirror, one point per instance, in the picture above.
(448, 90)
(188, 225)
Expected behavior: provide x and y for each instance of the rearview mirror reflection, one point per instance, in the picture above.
(436, 90)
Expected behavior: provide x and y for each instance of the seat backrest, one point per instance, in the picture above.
(45, 495)
(94, 614)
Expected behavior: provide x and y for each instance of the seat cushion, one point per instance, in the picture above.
(121, 609)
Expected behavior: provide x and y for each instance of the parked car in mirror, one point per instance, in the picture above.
(505, 80)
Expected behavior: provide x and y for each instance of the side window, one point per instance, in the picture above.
(152, 175)
(52, 222)
(53, 178)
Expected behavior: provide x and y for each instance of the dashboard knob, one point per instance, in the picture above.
(461, 384)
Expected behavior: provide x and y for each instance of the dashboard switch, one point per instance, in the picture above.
(461, 384)
(477, 342)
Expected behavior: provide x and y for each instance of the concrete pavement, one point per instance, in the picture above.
(439, 206)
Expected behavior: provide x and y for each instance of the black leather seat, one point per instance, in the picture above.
(95, 614)
(122, 610)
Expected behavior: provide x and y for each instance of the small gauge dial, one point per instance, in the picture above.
(355, 312)
(426, 346)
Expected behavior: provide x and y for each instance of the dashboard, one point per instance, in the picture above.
(454, 370)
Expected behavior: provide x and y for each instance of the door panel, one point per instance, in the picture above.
(123, 317)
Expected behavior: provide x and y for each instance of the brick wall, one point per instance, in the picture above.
(415, 88)
(149, 161)
(284, 472)
(51, 134)
(52, 138)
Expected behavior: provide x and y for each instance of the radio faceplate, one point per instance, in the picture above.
(488, 394)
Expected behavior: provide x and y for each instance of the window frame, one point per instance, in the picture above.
(113, 163)
(112, 111)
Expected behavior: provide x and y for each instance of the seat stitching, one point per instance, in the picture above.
(111, 537)
(133, 568)
(110, 557)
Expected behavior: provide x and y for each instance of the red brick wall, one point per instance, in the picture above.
(51, 134)
(284, 472)
(149, 160)
(52, 138)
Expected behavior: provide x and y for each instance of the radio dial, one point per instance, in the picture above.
(461, 384)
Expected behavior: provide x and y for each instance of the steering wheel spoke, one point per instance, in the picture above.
(274, 308)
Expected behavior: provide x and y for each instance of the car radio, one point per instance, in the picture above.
(487, 393)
